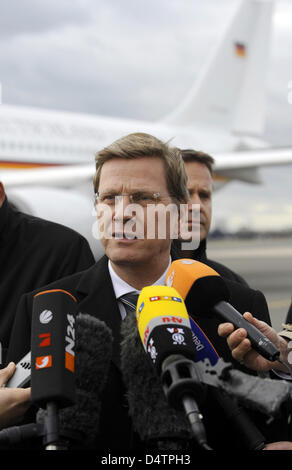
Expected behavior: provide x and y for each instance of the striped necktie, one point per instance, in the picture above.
(129, 301)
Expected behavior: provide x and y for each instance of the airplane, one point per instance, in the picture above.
(223, 114)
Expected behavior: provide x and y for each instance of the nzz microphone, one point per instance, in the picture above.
(53, 355)
(204, 291)
(166, 335)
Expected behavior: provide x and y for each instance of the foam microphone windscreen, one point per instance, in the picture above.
(80, 422)
(153, 419)
(200, 286)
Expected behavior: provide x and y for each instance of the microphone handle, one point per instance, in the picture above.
(258, 340)
(51, 423)
(250, 435)
(193, 414)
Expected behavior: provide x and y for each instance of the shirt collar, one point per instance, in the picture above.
(121, 287)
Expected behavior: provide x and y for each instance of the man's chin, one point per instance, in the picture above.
(122, 251)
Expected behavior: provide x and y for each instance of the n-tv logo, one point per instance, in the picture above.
(70, 343)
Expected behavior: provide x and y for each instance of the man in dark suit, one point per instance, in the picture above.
(142, 170)
(33, 252)
(199, 170)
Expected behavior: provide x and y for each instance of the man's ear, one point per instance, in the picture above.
(2, 193)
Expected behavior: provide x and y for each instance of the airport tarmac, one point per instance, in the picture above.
(265, 263)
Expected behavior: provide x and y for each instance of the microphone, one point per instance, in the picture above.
(78, 424)
(53, 356)
(166, 335)
(204, 290)
(52, 348)
(163, 324)
(155, 422)
(204, 349)
(240, 421)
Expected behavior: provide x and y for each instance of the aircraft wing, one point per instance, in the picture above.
(253, 158)
(244, 165)
(240, 165)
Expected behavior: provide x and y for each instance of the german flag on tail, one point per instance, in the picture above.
(240, 49)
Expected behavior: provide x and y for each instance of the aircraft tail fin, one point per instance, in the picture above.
(230, 92)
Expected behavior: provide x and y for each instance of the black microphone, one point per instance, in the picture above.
(53, 356)
(53, 348)
(203, 291)
(156, 423)
(78, 424)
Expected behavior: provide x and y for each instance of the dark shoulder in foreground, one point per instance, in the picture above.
(36, 226)
(47, 247)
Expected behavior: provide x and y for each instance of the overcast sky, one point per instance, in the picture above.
(137, 59)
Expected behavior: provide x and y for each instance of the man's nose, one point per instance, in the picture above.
(121, 202)
(194, 199)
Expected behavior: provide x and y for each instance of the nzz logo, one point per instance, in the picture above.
(70, 343)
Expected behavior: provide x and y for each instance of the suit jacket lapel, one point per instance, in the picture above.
(97, 298)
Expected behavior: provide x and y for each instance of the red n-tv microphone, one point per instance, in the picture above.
(53, 354)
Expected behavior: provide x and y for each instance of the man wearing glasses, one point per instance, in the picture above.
(132, 174)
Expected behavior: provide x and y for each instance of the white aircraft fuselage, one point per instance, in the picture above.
(31, 137)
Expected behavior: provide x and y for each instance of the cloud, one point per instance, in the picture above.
(127, 58)
(33, 17)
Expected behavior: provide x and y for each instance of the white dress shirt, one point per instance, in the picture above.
(121, 287)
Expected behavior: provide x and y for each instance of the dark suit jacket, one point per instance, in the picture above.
(33, 252)
(94, 291)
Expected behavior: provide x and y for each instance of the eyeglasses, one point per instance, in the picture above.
(142, 198)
